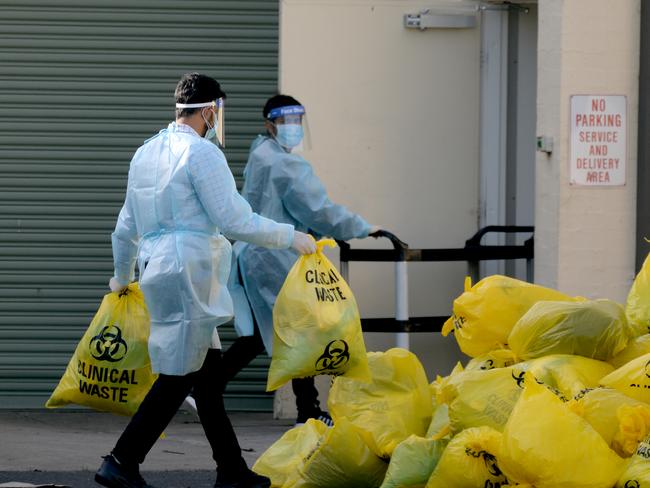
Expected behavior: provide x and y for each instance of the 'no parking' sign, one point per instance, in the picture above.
(598, 140)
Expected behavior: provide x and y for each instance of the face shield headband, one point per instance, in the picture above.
(283, 111)
(217, 129)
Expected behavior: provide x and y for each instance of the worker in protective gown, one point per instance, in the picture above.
(180, 201)
(281, 185)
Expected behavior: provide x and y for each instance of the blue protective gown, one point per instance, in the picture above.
(281, 186)
(180, 198)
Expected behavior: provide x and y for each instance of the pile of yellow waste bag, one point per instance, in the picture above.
(556, 394)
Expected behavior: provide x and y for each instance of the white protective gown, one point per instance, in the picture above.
(181, 197)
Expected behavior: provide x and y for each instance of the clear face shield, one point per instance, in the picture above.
(215, 132)
(291, 127)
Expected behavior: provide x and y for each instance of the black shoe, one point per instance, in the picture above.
(115, 475)
(248, 479)
(315, 414)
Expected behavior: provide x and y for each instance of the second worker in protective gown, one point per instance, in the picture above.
(180, 201)
(282, 186)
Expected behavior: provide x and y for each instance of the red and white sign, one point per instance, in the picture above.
(598, 140)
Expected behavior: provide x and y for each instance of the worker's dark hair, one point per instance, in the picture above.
(278, 101)
(196, 88)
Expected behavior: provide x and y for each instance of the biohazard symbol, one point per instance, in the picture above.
(491, 464)
(647, 369)
(108, 345)
(519, 379)
(489, 364)
(489, 459)
(632, 484)
(336, 354)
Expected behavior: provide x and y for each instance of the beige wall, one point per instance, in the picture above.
(585, 235)
(394, 122)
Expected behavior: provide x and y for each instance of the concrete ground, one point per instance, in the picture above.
(65, 446)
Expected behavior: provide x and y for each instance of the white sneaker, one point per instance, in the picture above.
(190, 405)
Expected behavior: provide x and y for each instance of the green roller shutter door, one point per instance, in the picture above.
(82, 85)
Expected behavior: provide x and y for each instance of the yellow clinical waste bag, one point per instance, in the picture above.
(482, 398)
(439, 427)
(637, 347)
(342, 460)
(632, 379)
(413, 461)
(110, 369)
(387, 410)
(316, 324)
(485, 313)
(470, 461)
(595, 329)
(637, 307)
(546, 445)
(282, 461)
(569, 375)
(637, 472)
(622, 421)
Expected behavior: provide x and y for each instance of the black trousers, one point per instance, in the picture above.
(163, 401)
(245, 349)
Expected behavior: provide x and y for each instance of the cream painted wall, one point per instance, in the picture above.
(394, 121)
(585, 235)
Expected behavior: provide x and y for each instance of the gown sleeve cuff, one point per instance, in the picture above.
(365, 230)
(287, 236)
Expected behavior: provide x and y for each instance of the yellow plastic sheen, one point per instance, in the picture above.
(110, 370)
(545, 444)
(439, 426)
(486, 397)
(484, 314)
(632, 379)
(499, 358)
(482, 398)
(591, 328)
(637, 347)
(637, 307)
(281, 462)
(470, 461)
(316, 324)
(412, 462)
(569, 375)
(622, 421)
(394, 405)
(343, 460)
(637, 472)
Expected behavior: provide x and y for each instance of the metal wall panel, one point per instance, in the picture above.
(82, 85)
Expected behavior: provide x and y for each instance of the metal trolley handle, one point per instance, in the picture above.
(398, 244)
(473, 252)
(400, 257)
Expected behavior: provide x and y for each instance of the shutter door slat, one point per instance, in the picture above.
(82, 85)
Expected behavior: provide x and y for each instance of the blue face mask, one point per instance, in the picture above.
(211, 133)
(289, 135)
